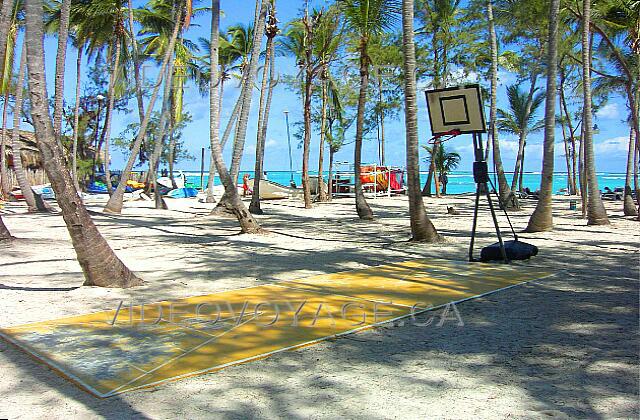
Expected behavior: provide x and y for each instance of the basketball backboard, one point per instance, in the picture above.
(456, 108)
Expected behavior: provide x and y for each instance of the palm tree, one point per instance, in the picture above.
(421, 227)
(441, 160)
(63, 35)
(629, 206)
(507, 199)
(228, 57)
(246, 95)
(248, 223)
(100, 265)
(5, 88)
(114, 205)
(366, 18)
(519, 120)
(542, 218)
(266, 95)
(596, 213)
(25, 187)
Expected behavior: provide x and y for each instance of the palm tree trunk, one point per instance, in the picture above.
(596, 213)
(6, 13)
(330, 175)
(570, 142)
(162, 134)
(266, 93)
(382, 131)
(114, 205)
(248, 223)
(227, 132)
(522, 138)
(421, 227)
(322, 187)
(5, 186)
(306, 143)
(520, 186)
(247, 93)
(63, 35)
(100, 265)
(629, 205)
(363, 209)
(136, 63)
(542, 217)
(76, 120)
(426, 190)
(583, 178)
(507, 199)
(111, 97)
(16, 146)
(5, 235)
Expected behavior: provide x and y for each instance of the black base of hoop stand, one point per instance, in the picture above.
(481, 178)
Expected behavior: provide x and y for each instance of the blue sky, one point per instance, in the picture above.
(610, 143)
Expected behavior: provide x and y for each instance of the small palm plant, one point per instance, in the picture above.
(521, 121)
(444, 161)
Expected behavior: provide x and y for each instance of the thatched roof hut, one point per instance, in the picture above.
(31, 157)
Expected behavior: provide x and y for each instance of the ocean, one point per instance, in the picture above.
(459, 182)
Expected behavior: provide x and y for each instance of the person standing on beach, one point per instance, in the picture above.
(444, 179)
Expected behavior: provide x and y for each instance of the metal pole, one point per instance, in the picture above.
(286, 115)
(202, 171)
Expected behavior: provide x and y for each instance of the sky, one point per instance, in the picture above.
(611, 141)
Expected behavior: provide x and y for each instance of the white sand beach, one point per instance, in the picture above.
(565, 346)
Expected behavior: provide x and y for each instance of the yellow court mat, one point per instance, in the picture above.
(139, 345)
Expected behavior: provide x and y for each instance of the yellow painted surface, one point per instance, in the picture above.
(137, 346)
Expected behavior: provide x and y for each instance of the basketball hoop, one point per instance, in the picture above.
(439, 137)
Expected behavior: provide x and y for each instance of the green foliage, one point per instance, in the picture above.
(516, 121)
(125, 140)
(444, 160)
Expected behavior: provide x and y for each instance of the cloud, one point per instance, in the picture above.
(614, 145)
(609, 112)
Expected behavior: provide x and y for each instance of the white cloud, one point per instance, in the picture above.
(614, 145)
(609, 112)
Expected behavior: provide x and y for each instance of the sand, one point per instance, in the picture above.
(563, 347)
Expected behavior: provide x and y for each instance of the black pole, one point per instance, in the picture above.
(202, 171)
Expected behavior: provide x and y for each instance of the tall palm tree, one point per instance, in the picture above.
(366, 18)
(520, 120)
(421, 227)
(63, 35)
(542, 218)
(23, 182)
(114, 205)
(266, 95)
(6, 67)
(248, 223)
(100, 265)
(507, 199)
(228, 57)
(246, 96)
(596, 213)
(629, 206)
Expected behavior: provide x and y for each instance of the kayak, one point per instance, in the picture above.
(182, 193)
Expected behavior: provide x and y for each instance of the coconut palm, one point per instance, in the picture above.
(507, 199)
(248, 223)
(25, 187)
(542, 218)
(100, 265)
(596, 213)
(266, 95)
(421, 227)
(366, 18)
(228, 57)
(629, 206)
(114, 205)
(6, 74)
(520, 120)
(63, 35)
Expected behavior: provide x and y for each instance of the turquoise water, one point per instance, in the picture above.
(459, 182)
